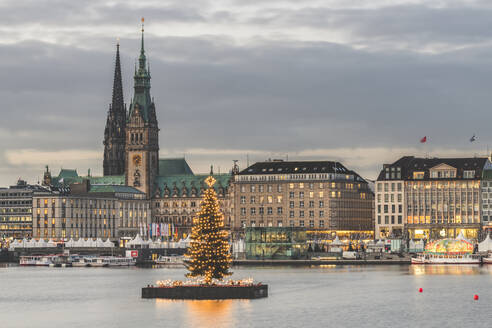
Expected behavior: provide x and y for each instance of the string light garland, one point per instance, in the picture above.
(208, 255)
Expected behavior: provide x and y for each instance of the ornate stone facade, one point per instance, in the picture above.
(142, 132)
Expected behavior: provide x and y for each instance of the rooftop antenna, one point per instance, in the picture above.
(247, 160)
(287, 157)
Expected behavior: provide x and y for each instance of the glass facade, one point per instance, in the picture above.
(275, 243)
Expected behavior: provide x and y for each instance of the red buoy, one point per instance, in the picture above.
(420, 290)
(475, 297)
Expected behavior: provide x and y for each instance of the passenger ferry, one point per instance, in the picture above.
(37, 260)
(426, 258)
(79, 261)
(109, 261)
(488, 260)
(170, 260)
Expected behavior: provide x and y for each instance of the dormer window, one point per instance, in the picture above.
(468, 174)
(418, 175)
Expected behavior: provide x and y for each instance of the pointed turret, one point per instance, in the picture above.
(114, 133)
(142, 131)
(118, 103)
(142, 99)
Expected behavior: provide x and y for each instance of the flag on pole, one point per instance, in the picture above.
(423, 140)
(473, 138)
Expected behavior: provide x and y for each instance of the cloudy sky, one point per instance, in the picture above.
(352, 80)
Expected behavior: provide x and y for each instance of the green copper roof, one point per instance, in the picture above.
(106, 180)
(113, 189)
(67, 173)
(174, 166)
(141, 97)
(182, 185)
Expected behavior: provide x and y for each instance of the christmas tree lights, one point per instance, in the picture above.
(208, 255)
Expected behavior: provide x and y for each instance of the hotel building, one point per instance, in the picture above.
(429, 198)
(321, 196)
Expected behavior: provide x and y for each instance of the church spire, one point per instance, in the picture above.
(114, 133)
(117, 102)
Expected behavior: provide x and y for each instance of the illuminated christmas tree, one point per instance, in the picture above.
(208, 255)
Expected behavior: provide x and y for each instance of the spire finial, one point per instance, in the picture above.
(142, 47)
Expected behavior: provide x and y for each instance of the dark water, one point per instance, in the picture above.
(341, 296)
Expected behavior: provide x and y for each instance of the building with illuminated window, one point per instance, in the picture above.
(323, 197)
(487, 198)
(16, 210)
(429, 198)
(90, 211)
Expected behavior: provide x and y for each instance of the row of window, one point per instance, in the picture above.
(261, 211)
(389, 198)
(386, 209)
(301, 185)
(395, 186)
(391, 219)
(252, 223)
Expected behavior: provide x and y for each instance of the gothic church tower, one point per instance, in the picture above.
(114, 133)
(142, 132)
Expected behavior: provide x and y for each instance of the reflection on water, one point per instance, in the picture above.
(205, 313)
(444, 269)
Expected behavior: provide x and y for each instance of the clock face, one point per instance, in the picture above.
(137, 160)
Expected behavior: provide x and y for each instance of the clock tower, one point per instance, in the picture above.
(142, 131)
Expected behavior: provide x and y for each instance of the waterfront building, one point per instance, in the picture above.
(90, 211)
(429, 198)
(16, 210)
(178, 195)
(323, 197)
(278, 243)
(486, 191)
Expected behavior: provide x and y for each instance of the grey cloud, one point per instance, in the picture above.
(88, 12)
(276, 97)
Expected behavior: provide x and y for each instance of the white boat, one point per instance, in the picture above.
(121, 261)
(37, 260)
(110, 261)
(97, 262)
(488, 260)
(170, 260)
(79, 262)
(426, 258)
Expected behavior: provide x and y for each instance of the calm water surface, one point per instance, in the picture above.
(332, 296)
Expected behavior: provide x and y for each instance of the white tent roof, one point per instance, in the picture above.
(380, 243)
(108, 243)
(136, 241)
(336, 242)
(79, 243)
(486, 245)
(70, 243)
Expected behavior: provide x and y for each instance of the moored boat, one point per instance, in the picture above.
(37, 260)
(170, 260)
(488, 259)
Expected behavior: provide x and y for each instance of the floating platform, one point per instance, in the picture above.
(214, 292)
